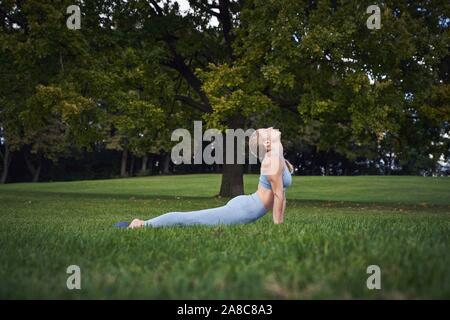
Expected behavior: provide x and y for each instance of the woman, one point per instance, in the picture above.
(275, 177)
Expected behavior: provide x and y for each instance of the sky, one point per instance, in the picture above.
(184, 7)
(184, 4)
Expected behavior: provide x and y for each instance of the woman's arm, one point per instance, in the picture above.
(274, 166)
(278, 201)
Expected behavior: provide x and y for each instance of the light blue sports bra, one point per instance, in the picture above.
(287, 179)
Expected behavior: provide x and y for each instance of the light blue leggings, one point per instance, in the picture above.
(240, 209)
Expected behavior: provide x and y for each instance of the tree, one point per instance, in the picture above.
(45, 132)
(353, 87)
(37, 55)
(188, 43)
(343, 95)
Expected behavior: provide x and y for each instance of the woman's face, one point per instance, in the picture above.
(269, 136)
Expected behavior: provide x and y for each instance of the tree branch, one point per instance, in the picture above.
(177, 63)
(288, 105)
(205, 6)
(156, 7)
(191, 102)
(225, 19)
(213, 5)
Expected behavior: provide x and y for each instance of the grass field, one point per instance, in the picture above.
(334, 228)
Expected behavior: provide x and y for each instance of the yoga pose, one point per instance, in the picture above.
(275, 177)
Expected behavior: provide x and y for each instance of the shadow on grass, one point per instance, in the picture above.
(292, 202)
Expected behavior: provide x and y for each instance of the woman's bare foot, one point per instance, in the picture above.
(136, 223)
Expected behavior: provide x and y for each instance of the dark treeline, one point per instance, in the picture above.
(103, 164)
(102, 101)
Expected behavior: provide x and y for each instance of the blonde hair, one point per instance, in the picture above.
(254, 143)
(290, 166)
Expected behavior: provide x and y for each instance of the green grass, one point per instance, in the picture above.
(334, 228)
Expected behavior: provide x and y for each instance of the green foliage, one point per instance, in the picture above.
(319, 58)
(43, 128)
(231, 93)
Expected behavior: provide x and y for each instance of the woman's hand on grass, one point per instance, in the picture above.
(136, 223)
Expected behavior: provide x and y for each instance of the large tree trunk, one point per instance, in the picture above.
(144, 164)
(232, 174)
(232, 180)
(34, 170)
(7, 156)
(123, 167)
